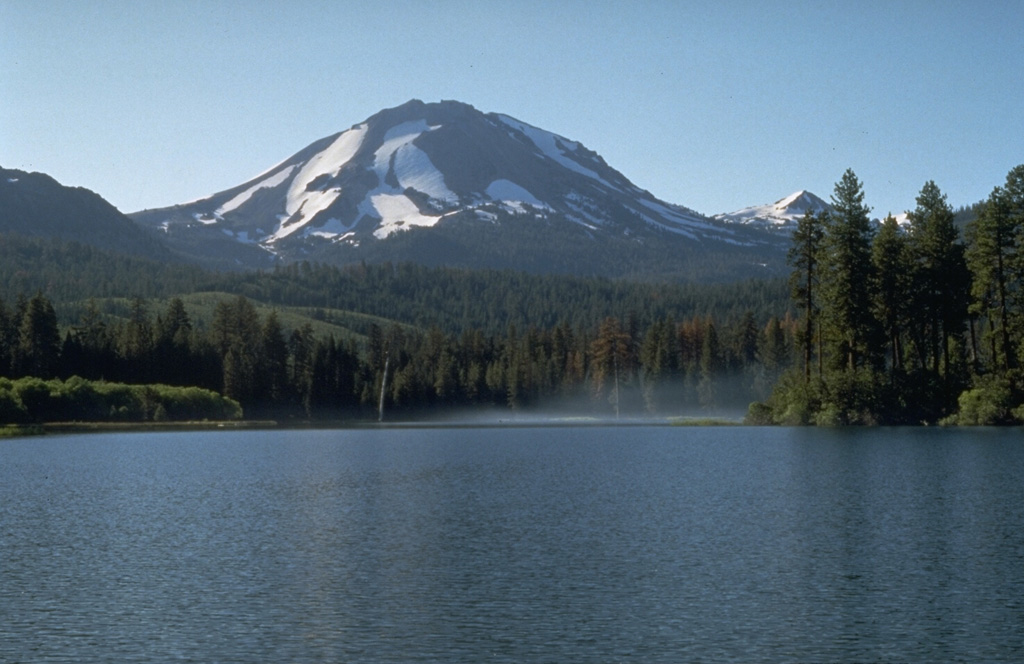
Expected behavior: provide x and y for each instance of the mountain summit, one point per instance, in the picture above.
(782, 214)
(374, 190)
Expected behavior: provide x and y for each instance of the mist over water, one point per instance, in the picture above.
(674, 402)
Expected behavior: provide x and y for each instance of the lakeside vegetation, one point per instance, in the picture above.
(907, 325)
(35, 401)
(614, 367)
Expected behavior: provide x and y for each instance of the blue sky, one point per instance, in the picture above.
(151, 103)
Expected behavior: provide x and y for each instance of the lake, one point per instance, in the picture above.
(562, 544)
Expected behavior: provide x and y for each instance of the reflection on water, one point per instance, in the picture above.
(510, 545)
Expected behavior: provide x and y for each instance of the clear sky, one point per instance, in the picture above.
(712, 105)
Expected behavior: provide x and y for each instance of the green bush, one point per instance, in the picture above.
(76, 399)
(759, 414)
(11, 409)
(989, 402)
(794, 402)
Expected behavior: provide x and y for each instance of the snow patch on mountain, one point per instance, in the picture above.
(273, 181)
(506, 190)
(585, 211)
(329, 163)
(396, 212)
(689, 221)
(554, 147)
(332, 230)
(399, 160)
(411, 166)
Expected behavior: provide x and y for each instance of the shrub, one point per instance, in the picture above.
(759, 414)
(35, 400)
(989, 402)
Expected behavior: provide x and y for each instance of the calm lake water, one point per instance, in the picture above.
(646, 544)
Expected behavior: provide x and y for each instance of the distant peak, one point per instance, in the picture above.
(792, 198)
(802, 199)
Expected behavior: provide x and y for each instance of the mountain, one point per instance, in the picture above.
(783, 215)
(780, 215)
(36, 205)
(444, 183)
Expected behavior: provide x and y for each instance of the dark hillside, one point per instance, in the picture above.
(36, 205)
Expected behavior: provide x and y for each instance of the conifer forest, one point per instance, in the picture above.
(913, 323)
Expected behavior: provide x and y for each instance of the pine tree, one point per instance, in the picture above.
(804, 256)
(846, 277)
(173, 352)
(8, 339)
(236, 334)
(38, 350)
(273, 362)
(91, 347)
(136, 345)
(711, 366)
(993, 255)
(891, 257)
(942, 280)
(612, 361)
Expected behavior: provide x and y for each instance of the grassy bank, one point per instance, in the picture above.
(22, 430)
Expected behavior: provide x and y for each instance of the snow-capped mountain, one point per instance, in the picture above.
(782, 214)
(437, 165)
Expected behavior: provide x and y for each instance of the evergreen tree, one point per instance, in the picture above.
(273, 363)
(993, 256)
(136, 343)
(891, 257)
(612, 361)
(89, 348)
(711, 366)
(8, 339)
(773, 356)
(659, 358)
(942, 285)
(38, 350)
(175, 363)
(300, 348)
(846, 277)
(804, 256)
(236, 334)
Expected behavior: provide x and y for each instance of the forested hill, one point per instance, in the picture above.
(36, 205)
(450, 298)
(492, 300)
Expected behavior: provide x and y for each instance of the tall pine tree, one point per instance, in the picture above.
(846, 277)
(942, 281)
(804, 256)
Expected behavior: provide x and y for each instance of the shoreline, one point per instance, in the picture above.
(57, 428)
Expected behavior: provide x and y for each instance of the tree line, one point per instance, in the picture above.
(889, 323)
(620, 366)
(906, 324)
